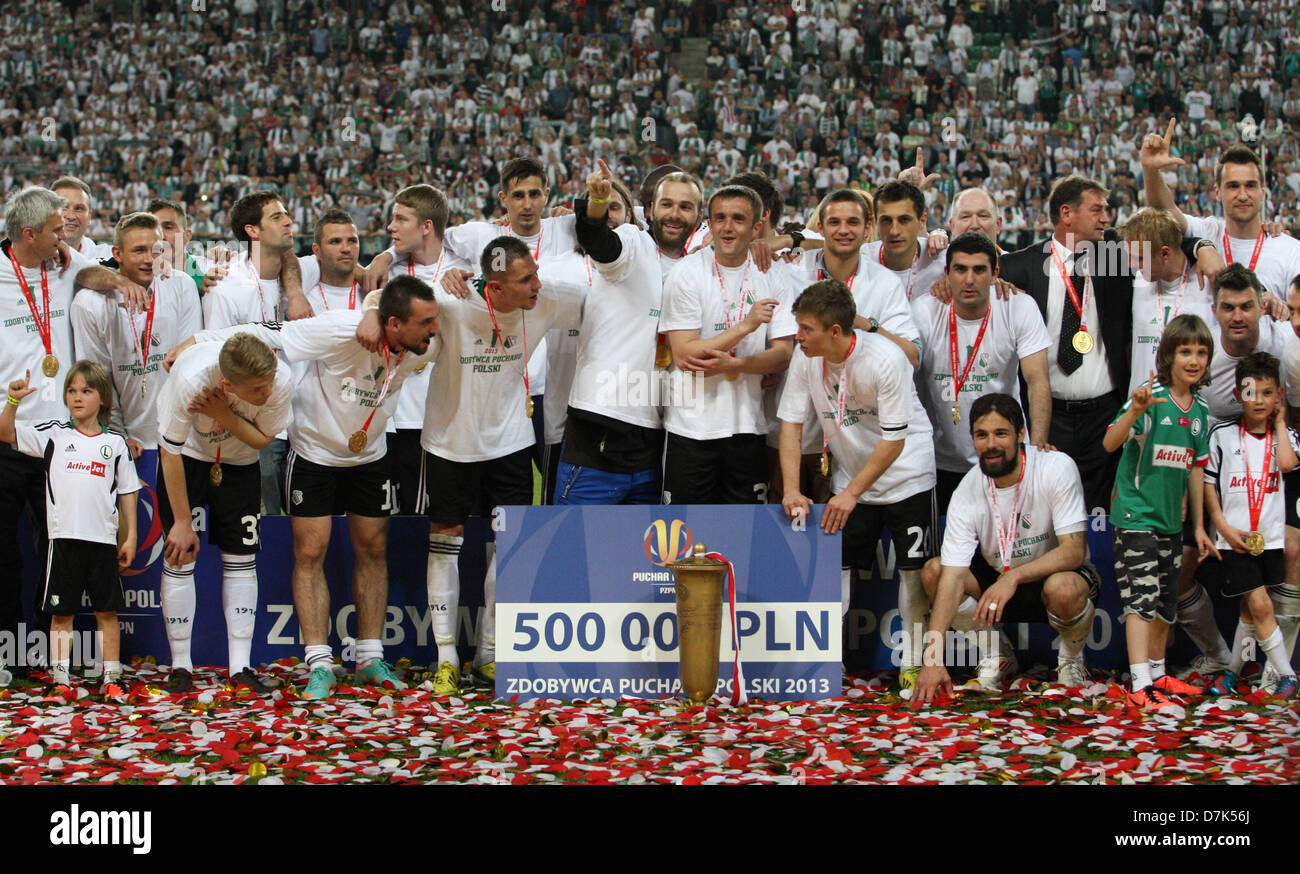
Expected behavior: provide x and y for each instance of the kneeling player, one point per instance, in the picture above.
(1021, 511)
(222, 404)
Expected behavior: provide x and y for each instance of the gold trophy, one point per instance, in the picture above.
(700, 586)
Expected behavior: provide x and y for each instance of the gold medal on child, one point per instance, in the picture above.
(956, 414)
(732, 376)
(826, 464)
(1082, 342)
(1255, 543)
(358, 440)
(528, 407)
(50, 366)
(215, 474)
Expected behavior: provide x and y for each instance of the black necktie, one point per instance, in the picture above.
(1067, 356)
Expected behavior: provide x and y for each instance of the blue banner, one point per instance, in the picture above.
(586, 607)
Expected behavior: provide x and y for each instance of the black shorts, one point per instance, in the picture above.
(1244, 573)
(404, 467)
(80, 566)
(456, 490)
(729, 470)
(946, 483)
(234, 507)
(912, 528)
(313, 490)
(1027, 604)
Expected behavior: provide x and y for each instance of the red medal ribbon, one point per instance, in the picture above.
(1255, 499)
(383, 392)
(42, 327)
(955, 355)
(822, 274)
(839, 401)
(142, 342)
(1069, 289)
(744, 295)
(1007, 535)
(523, 318)
(261, 298)
(738, 693)
(352, 297)
(1254, 256)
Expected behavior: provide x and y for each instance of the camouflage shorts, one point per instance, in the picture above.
(1146, 567)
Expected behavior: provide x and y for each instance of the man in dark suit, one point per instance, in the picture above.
(1083, 285)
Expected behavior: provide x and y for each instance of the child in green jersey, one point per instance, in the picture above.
(1164, 429)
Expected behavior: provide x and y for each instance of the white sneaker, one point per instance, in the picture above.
(1269, 678)
(1205, 666)
(994, 673)
(996, 668)
(1071, 673)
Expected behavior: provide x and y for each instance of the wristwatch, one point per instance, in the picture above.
(797, 239)
(1196, 250)
(872, 325)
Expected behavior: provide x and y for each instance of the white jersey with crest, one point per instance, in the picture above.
(85, 473)
(1226, 472)
(694, 300)
(1052, 506)
(880, 403)
(343, 385)
(1015, 331)
(104, 332)
(476, 407)
(196, 435)
(21, 348)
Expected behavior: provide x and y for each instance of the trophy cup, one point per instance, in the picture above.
(699, 581)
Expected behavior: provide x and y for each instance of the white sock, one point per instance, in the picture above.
(1275, 649)
(1073, 631)
(443, 584)
(1196, 617)
(1141, 675)
(1157, 668)
(319, 655)
(369, 651)
(178, 598)
(239, 603)
(846, 590)
(964, 619)
(1286, 607)
(112, 672)
(61, 673)
(487, 628)
(1237, 658)
(912, 607)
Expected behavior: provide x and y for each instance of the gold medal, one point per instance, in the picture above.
(826, 464)
(1082, 342)
(528, 407)
(215, 474)
(663, 355)
(50, 366)
(956, 413)
(358, 440)
(420, 369)
(732, 376)
(1255, 543)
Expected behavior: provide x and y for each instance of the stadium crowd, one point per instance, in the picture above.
(342, 104)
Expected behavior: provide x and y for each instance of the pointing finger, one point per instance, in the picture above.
(920, 165)
(1169, 134)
